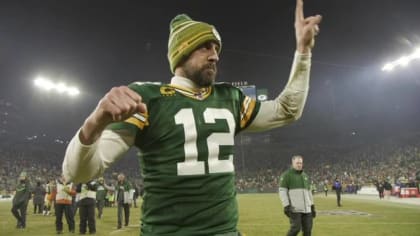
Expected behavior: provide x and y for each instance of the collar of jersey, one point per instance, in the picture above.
(189, 88)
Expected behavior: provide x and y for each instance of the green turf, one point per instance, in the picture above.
(260, 215)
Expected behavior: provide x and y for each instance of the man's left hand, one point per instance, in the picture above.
(313, 212)
(306, 29)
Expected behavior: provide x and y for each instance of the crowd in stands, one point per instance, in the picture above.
(42, 166)
(360, 166)
(395, 161)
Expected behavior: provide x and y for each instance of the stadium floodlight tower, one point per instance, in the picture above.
(402, 61)
(60, 87)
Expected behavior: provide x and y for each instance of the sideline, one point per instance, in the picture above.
(410, 201)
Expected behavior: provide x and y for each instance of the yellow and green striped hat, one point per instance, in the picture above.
(186, 35)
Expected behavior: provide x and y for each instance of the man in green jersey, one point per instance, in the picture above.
(296, 197)
(185, 131)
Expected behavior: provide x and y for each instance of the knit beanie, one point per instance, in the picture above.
(186, 35)
(23, 175)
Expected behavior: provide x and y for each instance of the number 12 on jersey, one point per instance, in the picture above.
(191, 165)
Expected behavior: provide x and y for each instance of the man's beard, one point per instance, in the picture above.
(203, 77)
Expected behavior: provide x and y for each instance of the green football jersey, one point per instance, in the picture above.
(186, 143)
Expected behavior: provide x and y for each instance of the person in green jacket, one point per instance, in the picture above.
(124, 198)
(21, 199)
(101, 192)
(296, 197)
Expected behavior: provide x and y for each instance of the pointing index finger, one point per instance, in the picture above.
(299, 11)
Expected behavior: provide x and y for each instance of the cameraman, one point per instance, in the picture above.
(87, 206)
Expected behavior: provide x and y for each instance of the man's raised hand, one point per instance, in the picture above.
(306, 29)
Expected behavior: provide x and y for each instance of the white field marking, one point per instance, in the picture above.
(343, 223)
(124, 229)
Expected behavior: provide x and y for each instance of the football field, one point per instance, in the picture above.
(262, 215)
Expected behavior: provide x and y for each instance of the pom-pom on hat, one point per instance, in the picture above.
(186, 35)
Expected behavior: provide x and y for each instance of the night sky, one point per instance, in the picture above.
(99, 44)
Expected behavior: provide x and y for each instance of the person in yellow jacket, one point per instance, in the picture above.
(111, 198)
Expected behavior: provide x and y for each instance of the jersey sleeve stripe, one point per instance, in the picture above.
(139, 120)
(245, 104)
(142, 118)
(248, 106)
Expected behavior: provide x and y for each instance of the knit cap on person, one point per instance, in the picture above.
(186, 35)
(23, 175)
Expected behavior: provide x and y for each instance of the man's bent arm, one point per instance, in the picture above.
(85, 162)
(288, 106)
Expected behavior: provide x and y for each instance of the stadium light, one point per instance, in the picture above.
(416, 54)
(402, 61)
(60, 87)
